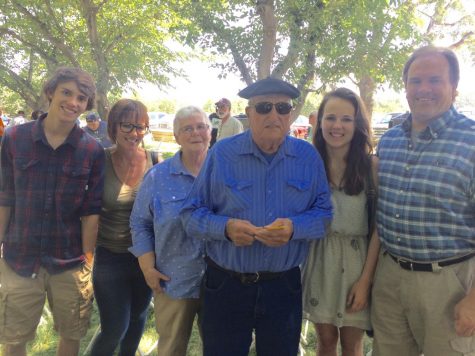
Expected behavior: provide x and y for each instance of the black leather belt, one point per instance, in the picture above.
(247, 278)
(428, 266)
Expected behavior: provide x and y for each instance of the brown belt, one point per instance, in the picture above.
(428, 266)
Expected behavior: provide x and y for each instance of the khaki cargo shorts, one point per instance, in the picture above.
(22, 300)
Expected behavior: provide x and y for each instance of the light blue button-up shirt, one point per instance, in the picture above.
(236, 181)
(156, 226)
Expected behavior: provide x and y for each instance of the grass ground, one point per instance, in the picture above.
(46, 339)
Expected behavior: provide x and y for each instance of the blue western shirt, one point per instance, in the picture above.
(237, 181)
(156, 227)
(426, 206)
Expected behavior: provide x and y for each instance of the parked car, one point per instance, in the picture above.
(244, 120)
(161, 126)
(383, 124)
(154, 119)
(300, 128)
(396, 120)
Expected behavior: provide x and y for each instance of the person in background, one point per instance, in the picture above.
(228, 125)
(172, 261)
(2, 126)
(97, 129)
(423, 298)
(120, 289)
(213, 118)
(4, 117)
(312, 120)
(36, 114)
(340, 268)
(18, 120)
(50, 199)
(258, 201)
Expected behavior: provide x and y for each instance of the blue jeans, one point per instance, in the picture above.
(232, 310)
(123, 297)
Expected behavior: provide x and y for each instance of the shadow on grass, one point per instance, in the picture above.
(46, 339)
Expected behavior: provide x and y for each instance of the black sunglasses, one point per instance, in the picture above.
(265, 107)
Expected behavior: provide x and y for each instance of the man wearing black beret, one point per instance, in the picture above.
(260, 198)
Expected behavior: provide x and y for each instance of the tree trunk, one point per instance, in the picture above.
(367, 88)
(103, 73)
(102, 104)
(265, 9)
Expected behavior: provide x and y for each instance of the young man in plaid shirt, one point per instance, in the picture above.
(50, 198)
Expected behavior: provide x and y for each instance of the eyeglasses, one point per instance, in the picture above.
(265, 107)
(127, 127)
(200, 128)
(218, 107)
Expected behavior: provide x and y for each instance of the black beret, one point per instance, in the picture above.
(269, 86)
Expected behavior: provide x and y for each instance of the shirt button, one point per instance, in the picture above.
(397, 215)
(270, 214)
(407, 168)
(340, 315)
(401, 191)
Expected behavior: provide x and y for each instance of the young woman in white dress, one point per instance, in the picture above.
(340, 267)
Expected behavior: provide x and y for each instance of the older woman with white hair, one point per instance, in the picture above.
(171, 261)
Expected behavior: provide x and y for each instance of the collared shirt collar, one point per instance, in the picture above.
(38, 133)
(250, 147)
(434, 128)
(176, 165)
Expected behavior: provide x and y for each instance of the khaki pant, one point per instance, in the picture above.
(174, 322)
(22, 301)
(413, 312)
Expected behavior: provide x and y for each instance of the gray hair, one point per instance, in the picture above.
(186, 112)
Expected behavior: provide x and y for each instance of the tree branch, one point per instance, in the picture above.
(462, 40)
(39, 50)
(68, 53)
(22, 87)
(50, 12)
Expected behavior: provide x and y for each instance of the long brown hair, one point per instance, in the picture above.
(358, 163)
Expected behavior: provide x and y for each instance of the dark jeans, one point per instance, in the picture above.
(123, 297)
(232, 310)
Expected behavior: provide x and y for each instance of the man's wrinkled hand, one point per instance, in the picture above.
(276, 234)
(240, 232)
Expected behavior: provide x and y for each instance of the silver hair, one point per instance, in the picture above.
(186, 112)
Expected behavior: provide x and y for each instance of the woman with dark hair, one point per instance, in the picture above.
(120, 289)
(340, 267)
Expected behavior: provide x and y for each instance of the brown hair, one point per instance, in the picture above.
(358, 163)
(125, 109)
(83, 80)
(454, 69)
